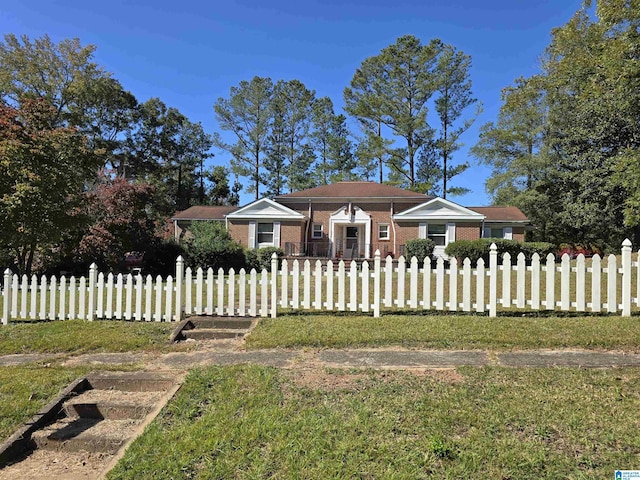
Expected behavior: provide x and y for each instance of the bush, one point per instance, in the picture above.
(260, 258)
(251, 259)
(161, 258)
(472, 249)
(476, 249)
(541, 248)
(211, 246)
(420, 248)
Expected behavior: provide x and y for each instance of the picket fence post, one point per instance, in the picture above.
(626, 278)
(376, 284)
(493, 280)
(6, 305)
(93, 278)
(274, 284)
(179, 284)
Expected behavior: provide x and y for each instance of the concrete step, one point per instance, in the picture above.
(130, 381)
(221, 322)
(213, 333)
(85, 434)
(111, 404)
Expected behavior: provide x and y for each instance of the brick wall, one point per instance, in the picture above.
(468, 231)
(289, 232)
(239, 231)
(518, 233)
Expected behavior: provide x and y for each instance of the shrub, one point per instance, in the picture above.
(472, 249)
(420, 248)
(475, 249)
(211, 246)
(160, 259)
(264, 256)
(251, 259)
(541, 248)
(260, 258)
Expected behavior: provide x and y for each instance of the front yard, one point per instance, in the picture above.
(310, 421)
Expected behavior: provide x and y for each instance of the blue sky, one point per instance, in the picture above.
(188, 53)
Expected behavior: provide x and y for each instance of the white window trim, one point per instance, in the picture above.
(265, 244)
(387, 236)
(443, 234)
(313, 230)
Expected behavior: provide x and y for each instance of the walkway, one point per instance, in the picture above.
(231, 353)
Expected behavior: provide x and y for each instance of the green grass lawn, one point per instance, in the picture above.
(24, 390)
(447, 332)
(257, 422)
(80, 336)
(254, 422)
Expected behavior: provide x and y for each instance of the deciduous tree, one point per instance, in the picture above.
(43, 170)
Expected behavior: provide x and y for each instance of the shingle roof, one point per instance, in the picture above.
(501, 214)
(347, 190)
(204, 212)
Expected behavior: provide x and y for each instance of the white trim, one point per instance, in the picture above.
(507, 232)
(349, 215)
(265, 209)
(313, 231)
(422, 230)
(450, 233)
(421, 212)
(388, 235)
(251, 242)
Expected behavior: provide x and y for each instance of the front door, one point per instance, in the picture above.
(351, 242)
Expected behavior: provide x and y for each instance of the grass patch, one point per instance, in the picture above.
(447, 332)
(257, 422)
(79, 336)
(24, 390)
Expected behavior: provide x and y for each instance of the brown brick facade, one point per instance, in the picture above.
(289, 231)
(468, 231)
(357, 231)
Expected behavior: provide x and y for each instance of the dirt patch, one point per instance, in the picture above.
(47, 465)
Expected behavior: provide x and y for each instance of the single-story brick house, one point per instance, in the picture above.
(354, 219)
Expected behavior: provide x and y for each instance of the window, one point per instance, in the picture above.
(501, 232)
(317, 230)
(437, 233)
(265, 234)
(496, 233)
(383, 231)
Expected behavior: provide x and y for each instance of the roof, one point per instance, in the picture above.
(501, 214)
(439, 209)
(352, 190)
(265, 208)
(204, 212)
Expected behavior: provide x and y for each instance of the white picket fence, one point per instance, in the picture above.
(369, 286)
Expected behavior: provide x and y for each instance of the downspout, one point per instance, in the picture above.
(306, 233)
(482, 229)
(393, 227)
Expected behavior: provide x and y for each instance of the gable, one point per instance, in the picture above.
(265, 209)
(439, 209)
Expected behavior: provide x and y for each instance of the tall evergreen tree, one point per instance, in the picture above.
(247, 115)
(453, 97)
(393, 88)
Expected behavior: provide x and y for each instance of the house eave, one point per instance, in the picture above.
(285, 200)
(266, 217)
(449, 218)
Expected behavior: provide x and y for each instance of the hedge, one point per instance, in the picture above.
(420, 248)
(475, 249)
